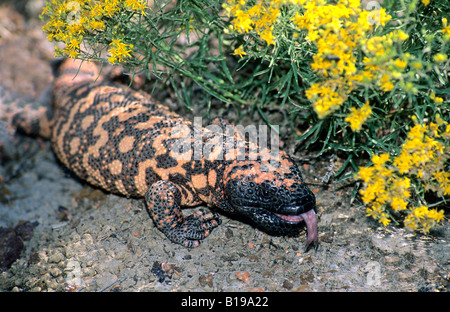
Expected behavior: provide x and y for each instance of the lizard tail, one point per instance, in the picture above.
(69, 72)
(25, 117)
(34, 122)
(39, 121)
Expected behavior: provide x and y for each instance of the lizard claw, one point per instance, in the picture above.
(193, 229)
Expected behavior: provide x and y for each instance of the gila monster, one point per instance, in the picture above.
(126, 143)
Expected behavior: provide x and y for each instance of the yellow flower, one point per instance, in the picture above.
(385, 83)
(268, 37)
(410, 222)
(417, 65)
(436, 99)
(436, 215)
(384, 219)
(379, 160)
(63, 26)
(325, 99)
(398, 203)
(272, 15)
(400, 63)
(312, 35)
(136, 5)
(422, 218)
(440, 121)
(97, 25)
(443, 179)
(366, 173)
(299, 20)
(420, 212)
(110, 7)
(399, 190)
(379, 17)
(370, 212)
(425, 2)
(96, 10)
(239, 51)
(71, 53)
(402, 35)
(421, 162)
(403, 162)
(119, 51)
(404, 182)
(74, 43)
(417, 132)
(375, 191)
(255, 10)
(446, 32)
(440, 58)
(242, 21)
(358, 117)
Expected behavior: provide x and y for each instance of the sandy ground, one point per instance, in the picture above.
(87, 240)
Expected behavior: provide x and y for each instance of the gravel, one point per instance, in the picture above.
(86, 240)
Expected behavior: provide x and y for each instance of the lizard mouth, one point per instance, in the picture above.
(287, 217)
(310, 218)
(290, 218)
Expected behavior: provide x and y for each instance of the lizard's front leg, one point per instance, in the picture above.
(163, 200)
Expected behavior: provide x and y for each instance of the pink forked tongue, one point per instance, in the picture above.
(310, 219)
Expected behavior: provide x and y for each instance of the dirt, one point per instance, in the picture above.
(86, 240)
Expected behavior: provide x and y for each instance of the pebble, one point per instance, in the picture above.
(243, 276)
(56, 257)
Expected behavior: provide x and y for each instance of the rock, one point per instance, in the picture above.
(10, 247)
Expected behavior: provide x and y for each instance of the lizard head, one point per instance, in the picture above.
(272, 194)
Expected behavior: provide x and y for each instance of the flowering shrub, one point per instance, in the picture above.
(72, 22)
(363, 79)
(421, 163)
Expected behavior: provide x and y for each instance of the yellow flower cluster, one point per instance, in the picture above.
(336, 31)
(119, 51)
(348, 54)
(358, 117)
(339, 31)
(423, 157)
(260, 17)
(446, 29)
(70, 21)
(382, 66)
(423, 219)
